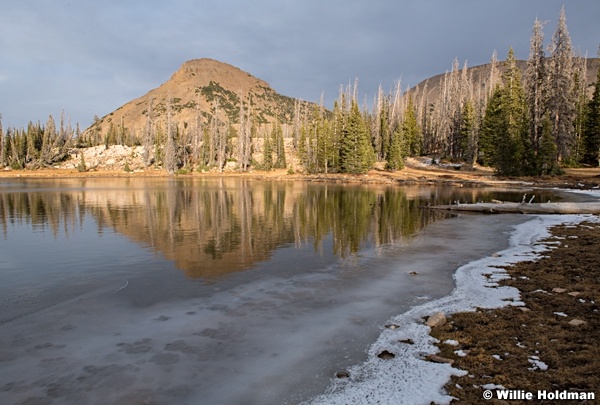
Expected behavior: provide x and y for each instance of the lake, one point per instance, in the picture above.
(216, 291)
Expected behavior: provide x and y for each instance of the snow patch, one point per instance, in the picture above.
(408, 378)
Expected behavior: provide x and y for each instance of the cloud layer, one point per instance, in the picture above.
(88, 58)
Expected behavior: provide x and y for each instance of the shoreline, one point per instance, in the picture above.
(415, 370)
(412, 174)
(550, 342)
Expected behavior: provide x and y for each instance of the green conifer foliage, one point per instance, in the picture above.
(468, 134)
(397, 150)
(516, 159)
(592, 126)
(267, 162)
(356, 153)
(278, 142)
(412, 131)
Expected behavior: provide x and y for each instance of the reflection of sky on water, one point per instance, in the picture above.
(98, 311)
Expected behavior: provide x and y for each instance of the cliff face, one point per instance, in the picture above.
(200, 89)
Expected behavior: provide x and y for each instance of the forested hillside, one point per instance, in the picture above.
(521, 117)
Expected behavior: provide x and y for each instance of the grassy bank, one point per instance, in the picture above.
(550, 344)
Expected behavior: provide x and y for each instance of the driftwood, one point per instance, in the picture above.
(525, 208)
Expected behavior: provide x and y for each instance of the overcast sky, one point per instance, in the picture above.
(90, 57)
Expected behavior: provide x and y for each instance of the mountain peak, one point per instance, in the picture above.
(202, 86)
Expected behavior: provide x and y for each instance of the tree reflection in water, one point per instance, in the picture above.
(212, 227)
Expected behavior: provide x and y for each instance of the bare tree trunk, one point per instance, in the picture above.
(170, 152)
(148, 135)
(2, 157)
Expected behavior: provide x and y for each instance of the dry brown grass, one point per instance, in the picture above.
(571, 352)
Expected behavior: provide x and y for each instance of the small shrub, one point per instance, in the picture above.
(81, 167)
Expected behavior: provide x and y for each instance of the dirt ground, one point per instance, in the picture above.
(412, 174)
(504, 346)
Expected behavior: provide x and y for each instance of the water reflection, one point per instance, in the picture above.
(212, 227)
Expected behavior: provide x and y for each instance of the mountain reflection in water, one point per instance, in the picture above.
(212, 227)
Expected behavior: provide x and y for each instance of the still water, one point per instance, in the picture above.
(215, 291)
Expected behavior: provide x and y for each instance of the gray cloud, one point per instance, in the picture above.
(89, 57)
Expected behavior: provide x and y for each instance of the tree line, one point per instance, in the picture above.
(530, 121)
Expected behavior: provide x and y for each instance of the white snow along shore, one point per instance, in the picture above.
(410, 379)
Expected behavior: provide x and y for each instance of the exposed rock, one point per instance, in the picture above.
(524, 309)
(386, 355)
(439, 359)
(194, 87)
(342, 374)
(436, 320)
(574, 293)
(407, 341)
(577, 322)
(559, 290)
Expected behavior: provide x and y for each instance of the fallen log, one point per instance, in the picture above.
(525, 208)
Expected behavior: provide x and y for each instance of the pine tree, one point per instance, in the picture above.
(267, 161)
(468, 134)
(592, 125)
(356, 153)
(493, 125)
(535, 85)
(581, 105)
(546, 159)
(279, 144)
(2, 156)
(411, 130)
(513, 152)
(397, 150)
(561, 98)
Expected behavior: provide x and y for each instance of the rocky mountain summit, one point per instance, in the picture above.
(199, 90)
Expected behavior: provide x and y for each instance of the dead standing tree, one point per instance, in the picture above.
(170, 147)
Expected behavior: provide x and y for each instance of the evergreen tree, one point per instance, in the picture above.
(519, 160)
(592, 125)
(535, 86)
(303, 148)
(397, 150)
(546, 158)
(278, 142)
(581, 105)
(2, 156)
(468, 134)
(502, 142)
(267, 161)
(411, 130)
(561, 99)
(493, 123)
(356, 153)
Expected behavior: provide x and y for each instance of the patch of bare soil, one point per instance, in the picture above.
(552, 343)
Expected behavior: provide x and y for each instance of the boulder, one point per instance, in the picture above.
(577, 322)
(436, 320)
